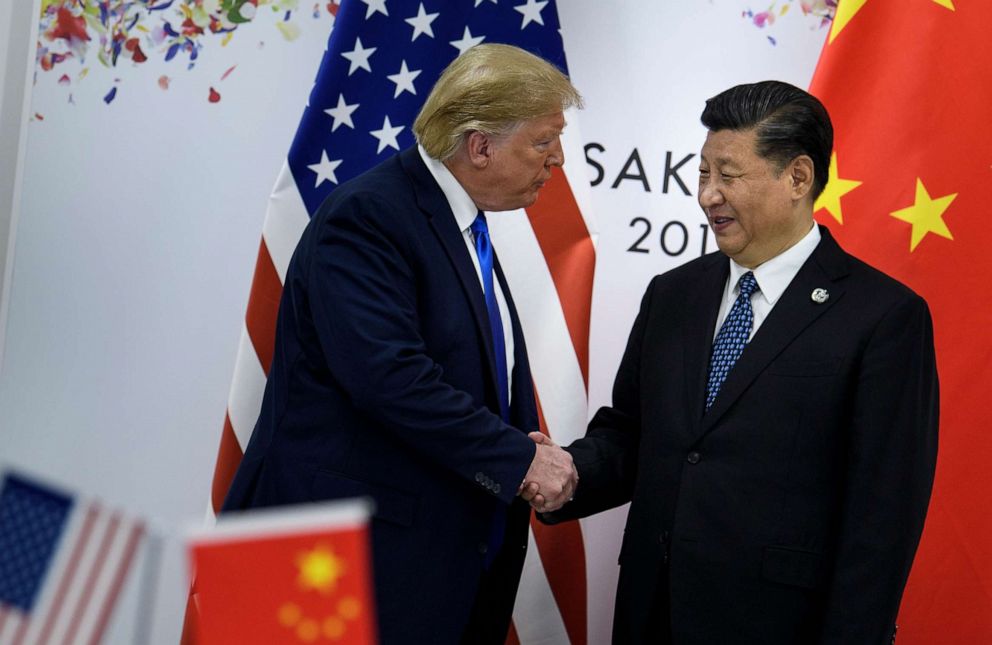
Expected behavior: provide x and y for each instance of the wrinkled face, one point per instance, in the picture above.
(749, 204)
(521, 162)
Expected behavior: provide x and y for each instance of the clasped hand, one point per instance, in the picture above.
(551, 478)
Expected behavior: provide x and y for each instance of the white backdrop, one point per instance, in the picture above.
(140, 219)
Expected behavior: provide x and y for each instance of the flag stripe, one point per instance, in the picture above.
(22, 629)
(285, 219)
(95, 568)
(228, 457)
(17, 626)
(102, 581)
(560, 393)
(565, 242)
(134, 538)
(566, 573)
(537, 617)
(12, 625)
(247, 388)
(72, 567)
(263, 304)
(554, 365)
(511, 637)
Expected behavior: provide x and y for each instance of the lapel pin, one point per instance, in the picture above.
(819, 296)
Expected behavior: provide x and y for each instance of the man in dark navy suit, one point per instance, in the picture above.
(400, 371)
(774, 416)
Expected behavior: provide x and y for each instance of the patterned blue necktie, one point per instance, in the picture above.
(733, 336)
(484, 251)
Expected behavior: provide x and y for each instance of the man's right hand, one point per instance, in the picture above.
(551, 478)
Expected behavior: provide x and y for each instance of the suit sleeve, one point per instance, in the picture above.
(606, 457)
(891, 460)
(363, 298)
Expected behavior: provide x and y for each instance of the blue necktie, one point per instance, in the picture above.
(733, 336)
(484, 251)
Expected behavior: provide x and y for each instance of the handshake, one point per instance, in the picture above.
(551, 478)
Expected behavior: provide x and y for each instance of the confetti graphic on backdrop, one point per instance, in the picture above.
(114, 32)
(819, 12)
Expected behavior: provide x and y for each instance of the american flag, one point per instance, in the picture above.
(62, 564)
(382, 59)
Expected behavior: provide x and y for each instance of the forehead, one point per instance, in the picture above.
(730, 147)
(547, 124)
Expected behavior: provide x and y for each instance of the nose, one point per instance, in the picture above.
(709, 194)
(556, 154)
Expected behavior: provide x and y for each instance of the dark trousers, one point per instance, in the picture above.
(492, 610)
(658, 629)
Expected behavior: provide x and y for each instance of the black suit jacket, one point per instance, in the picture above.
(382, 384)
(789, 513)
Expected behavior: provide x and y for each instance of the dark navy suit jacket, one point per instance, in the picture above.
(789, 512)
(382, 385)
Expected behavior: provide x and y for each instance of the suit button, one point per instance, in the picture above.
(497, 488)
(478, 477)
(483, 548)
(693, 457)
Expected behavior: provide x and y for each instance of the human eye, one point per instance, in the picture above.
(544, 143)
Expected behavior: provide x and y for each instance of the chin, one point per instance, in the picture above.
(730, 250)
(519, 203)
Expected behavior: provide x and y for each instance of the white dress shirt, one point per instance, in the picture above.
(773, 278)
(465, 212)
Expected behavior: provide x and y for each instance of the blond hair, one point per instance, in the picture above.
(490, 89)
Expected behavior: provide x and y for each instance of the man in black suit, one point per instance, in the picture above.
(400, 371)
(774, 416)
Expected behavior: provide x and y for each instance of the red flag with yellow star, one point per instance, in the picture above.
(909, 89)
(285, 576)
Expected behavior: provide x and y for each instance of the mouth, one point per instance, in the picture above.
(719, 223)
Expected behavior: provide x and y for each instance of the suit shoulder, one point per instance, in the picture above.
(880, 285)
(685, 276)
(374, 193)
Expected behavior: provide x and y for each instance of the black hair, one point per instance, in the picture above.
(788, 122)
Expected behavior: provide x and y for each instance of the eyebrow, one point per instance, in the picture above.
(723, 161)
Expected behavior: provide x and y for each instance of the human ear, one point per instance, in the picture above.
(480, 148)
(800, 172)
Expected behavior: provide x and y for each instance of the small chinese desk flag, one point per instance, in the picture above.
(291, 575)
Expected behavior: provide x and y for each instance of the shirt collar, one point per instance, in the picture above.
(462, 206)
(774, 276)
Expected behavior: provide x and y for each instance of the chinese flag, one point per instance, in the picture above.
(285, 576)
(909, 89)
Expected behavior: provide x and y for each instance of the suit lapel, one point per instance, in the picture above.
(523, 412)
(434, 205)
(700, 322)
(793, 313)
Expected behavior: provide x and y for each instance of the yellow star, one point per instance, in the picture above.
(320, 569)
(926, 215)
(836, 188)
(846, 9)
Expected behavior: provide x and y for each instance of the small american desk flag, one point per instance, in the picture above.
(63, 561)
